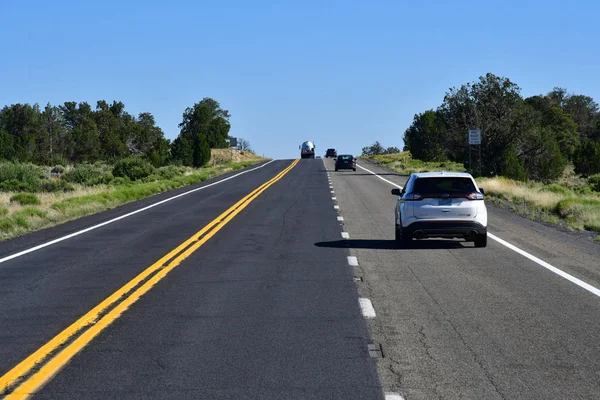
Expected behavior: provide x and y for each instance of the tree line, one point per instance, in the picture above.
(75, 133)
(531, 138)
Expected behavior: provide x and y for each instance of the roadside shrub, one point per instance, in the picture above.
(170, 171)
(6, 225)
(3, 211)
(84, 174)
(25, 199)
(28, 175)
(52, 186)
(15, 185)
(594, 182)
(132, 168)
(120, 181)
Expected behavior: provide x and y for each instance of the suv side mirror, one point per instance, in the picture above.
(482, 191)
(396, 192)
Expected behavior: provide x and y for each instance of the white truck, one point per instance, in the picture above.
(307, 149)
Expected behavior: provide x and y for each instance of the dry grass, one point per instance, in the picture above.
(578, 210)
(516, 191)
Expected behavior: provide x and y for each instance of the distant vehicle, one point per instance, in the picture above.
(441, 204)
(345, 161)
(330, 153)
(307, 149)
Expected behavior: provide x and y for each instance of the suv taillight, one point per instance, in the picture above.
(474, 196)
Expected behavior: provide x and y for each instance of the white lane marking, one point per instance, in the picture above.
(533, 258)
(345, 235)
(352, 261)
(332, 191)
(550, 267)
(91, 228)
(383, 179)
(334, 198)
(336, 207)
(340, 218)
(393, 396)
(366, 307)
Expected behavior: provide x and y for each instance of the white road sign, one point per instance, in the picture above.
(475, 136)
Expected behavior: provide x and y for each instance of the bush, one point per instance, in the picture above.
(52, 186)
(84, 174)
(25, 199)
(594, 182)
(14, 185)
(27, 174)
(132, 168)
(3, 211)
(120, 181)
(170, 171)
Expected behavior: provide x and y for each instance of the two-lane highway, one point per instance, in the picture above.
(459, 322)
(282, 283)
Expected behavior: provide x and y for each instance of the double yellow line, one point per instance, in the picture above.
(32, 373)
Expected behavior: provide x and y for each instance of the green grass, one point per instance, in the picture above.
(25, 199)
(17, 220)
(404, 164)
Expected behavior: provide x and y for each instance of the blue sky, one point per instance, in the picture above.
(340, 73)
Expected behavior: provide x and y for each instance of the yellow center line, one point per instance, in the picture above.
(97, 323)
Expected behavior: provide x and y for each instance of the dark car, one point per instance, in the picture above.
(330, 153)
(345, 161)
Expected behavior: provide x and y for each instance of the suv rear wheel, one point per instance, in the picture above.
(402, 240)
(481, 240)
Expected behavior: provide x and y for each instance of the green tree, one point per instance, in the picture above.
(109, 120)
(555, 124)
(7, 151)
(84, 139)
(182, 151)
(587, 158)
(55, 130)
(493, 105)
(425, 137)
(201, 153)
(373, 150)
(22, 123)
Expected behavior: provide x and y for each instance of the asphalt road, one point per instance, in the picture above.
(268, 307)
(458, 322)
(257, 312)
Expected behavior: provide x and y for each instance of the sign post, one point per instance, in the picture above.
(474, 140)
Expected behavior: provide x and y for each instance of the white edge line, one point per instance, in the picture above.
(393, 396)
(345, 235)
(91, 228)
(383, 179)
(544, 264)
(352, 261)
(366, 307)
(514, 248)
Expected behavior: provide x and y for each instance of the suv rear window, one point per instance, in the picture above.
(345, 157)
(444, 185)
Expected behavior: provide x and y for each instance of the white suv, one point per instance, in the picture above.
(441, 204)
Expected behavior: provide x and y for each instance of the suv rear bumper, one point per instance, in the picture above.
(444, 229)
